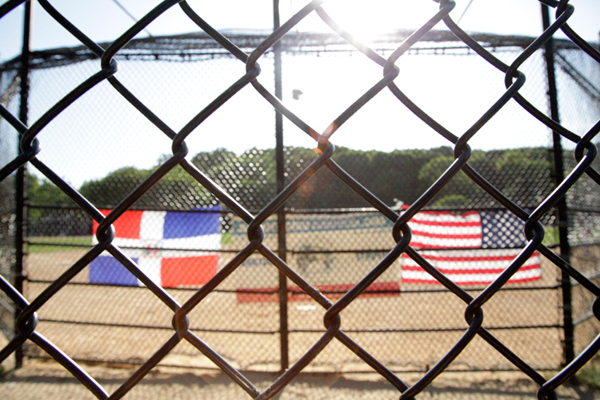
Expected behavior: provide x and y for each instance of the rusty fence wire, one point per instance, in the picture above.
(307, 245)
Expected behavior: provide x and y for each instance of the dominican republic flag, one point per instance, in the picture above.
(471, 248)
(171, 248)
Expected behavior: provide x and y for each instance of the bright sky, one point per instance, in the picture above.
(103, 21)
(501, 17)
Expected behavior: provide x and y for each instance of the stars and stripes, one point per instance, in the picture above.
(473, 247)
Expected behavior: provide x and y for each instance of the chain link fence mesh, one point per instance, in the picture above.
(175, 151)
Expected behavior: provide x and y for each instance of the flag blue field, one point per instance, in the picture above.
(172, 248)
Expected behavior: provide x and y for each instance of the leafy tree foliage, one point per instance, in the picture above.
(405, 175)
(42, 191)
(52, 221)
(176, 190)
(248, 178)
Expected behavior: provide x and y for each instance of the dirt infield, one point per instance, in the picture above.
(49, 381)
(407, 332)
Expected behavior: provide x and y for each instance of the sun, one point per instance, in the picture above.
(367, 20)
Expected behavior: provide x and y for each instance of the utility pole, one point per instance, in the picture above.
(281, 217)
(20, 176)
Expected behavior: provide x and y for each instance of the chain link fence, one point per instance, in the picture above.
(446, 230)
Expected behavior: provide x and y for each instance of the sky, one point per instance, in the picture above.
(501, 17)
(326, 90)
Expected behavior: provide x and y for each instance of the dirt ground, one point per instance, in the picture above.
(44, 380)
(87, 323)
(408, 331)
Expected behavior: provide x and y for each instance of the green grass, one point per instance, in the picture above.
(226, 238)
(45, 244)
(50, 244)
(550, 236)
(590, 375)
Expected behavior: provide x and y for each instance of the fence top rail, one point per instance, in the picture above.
(224, 210)
(200, 43)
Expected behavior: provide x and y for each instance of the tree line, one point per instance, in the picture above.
(524, 175)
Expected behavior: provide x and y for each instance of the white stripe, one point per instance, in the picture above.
(417, 275)
(469, 253)
(177, 253)
(446, 243)
(445, 230)
(123, 242)
(129, 253)
(150, 266)
(532, 273)
(474, 217)
(152, 225)
(418, 226)
(204, 242)
(472, 253)
(471, 265)
(424, 276)
(139, 253)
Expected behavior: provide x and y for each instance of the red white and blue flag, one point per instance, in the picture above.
(171, 248)
(469, 248)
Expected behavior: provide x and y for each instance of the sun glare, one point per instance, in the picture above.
(368, 20)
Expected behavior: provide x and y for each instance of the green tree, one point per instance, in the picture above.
(457, 191)
(249, 178)
(524, 175)
(42, 192)
(176, 190)
(64, 220)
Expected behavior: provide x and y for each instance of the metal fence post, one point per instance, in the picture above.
(281, 218)
(20, 176)
(561, 207)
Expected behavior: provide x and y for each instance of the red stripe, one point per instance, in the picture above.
(188, 271)
(442, 223)
(419, 245)
(467, 271)
(433, 281)
(446, 213)
(245, 295)
(471, 259)
(445, 236)
(127, 226)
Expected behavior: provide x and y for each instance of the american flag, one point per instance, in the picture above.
(171, 248)
(470, 248)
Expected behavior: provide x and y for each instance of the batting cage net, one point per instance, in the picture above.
(181, 202)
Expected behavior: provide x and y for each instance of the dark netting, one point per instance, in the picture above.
(577, 84)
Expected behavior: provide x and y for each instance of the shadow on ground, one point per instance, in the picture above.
(44, 380)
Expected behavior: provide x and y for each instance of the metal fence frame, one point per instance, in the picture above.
(585, 152)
